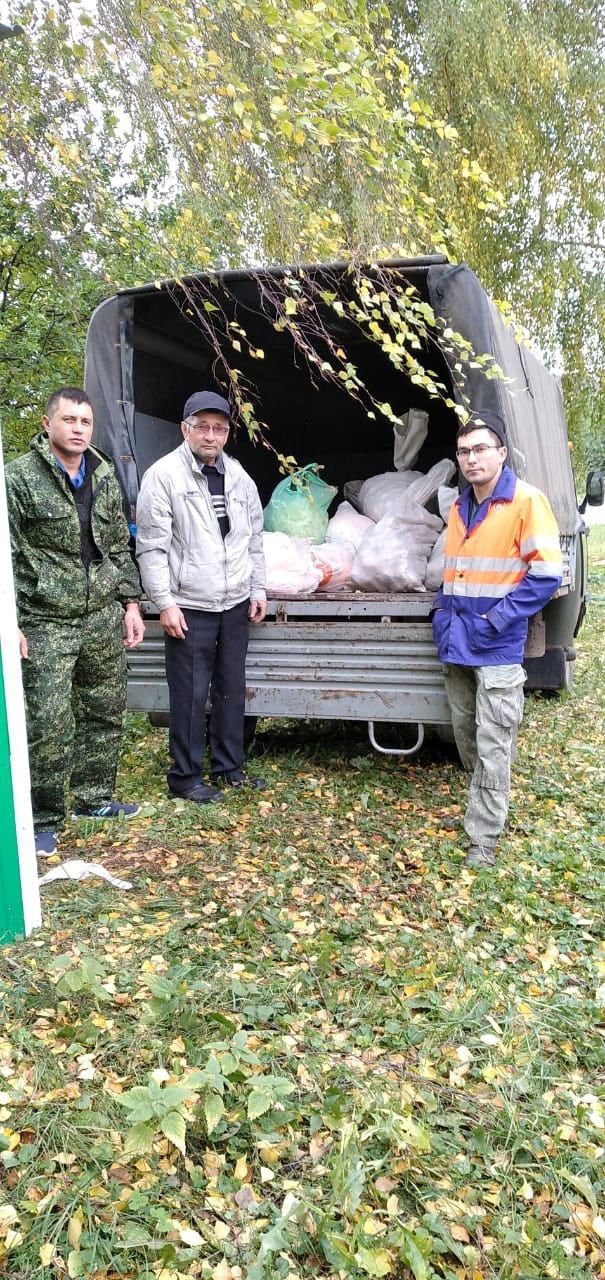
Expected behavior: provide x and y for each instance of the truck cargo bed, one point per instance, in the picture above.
(344, 655)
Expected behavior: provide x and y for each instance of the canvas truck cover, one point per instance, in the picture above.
(530, 400)
(530, 403)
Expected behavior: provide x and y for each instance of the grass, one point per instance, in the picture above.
(385, 1064)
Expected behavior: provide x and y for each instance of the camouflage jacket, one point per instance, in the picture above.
(50, 578)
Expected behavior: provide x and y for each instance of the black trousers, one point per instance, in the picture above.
(212, 655)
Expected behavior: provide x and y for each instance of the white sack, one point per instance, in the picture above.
(289, 566)
(445, 500)
(384, 495)
(425, 487)
(434, 570)
(394, 554)
(409, 438)
(348, 526)
(335, 560)
(434, 573)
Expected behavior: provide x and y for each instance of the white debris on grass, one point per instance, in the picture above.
(75, 869)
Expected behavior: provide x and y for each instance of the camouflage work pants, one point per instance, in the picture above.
(487, 709)
(75, 694)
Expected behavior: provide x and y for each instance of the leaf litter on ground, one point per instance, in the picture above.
(310, 1042)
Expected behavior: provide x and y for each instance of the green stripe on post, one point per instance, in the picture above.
(12, 921)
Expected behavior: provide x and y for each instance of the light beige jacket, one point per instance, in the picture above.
(182, 557)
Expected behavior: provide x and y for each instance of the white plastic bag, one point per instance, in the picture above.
(409, 438)
(335, 559)
(445, 499)
(425, 487)
(348, 526)
(394, 554)
(75, 869)
(289, 566)
(434, 569)
(384, 495)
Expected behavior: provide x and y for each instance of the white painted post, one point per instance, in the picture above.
(19, 893)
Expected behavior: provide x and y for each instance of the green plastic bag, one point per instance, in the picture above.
(299, 505)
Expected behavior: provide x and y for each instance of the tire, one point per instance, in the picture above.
(159, 719)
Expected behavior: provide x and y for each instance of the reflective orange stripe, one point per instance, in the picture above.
(523, 538)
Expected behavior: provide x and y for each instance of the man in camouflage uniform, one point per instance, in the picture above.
(77, 594)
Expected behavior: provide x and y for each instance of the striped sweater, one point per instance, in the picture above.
(502, 564)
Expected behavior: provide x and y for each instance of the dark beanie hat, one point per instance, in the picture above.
(487, 418)
(208, 401)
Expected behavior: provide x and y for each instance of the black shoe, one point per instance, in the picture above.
(199, 795)
(240, 778)
(111, 809)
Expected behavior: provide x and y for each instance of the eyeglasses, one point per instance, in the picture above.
(478, 451)
(208, 431)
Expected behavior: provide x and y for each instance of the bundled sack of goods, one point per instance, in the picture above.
(289, 566)
(394, 554)
(348, 526)
(435, 566)
(410, 435)
(434, 570)
(384, 495)
(296, 567)
(335, 559)
(299, 505)
(389, 494)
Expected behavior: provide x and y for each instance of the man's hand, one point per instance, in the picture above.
(173, 622)
(23, 645)
(134, 627)
(257, 610)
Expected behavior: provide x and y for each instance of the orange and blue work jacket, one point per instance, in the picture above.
(502, 564)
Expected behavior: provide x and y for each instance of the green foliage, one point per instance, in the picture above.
(157, 1106)
(522, 82)
(153, 139)
(75, 973)
(303, 140)
(44, 309)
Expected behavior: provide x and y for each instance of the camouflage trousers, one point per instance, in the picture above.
(75, 694)
(487, 708)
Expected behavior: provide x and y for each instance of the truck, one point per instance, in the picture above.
(302, 342)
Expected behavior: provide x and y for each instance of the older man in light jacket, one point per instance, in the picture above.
(200, 554)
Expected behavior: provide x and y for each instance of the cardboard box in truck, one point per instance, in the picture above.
(348, 655)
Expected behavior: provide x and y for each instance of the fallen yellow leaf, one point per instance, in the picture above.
(74, 1229)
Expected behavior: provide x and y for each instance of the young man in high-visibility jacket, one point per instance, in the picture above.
(502, 564)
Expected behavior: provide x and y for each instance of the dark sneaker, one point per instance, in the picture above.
(46, 843)
(112, 809)
(200, 795)
(240, 778)
(480, 855)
